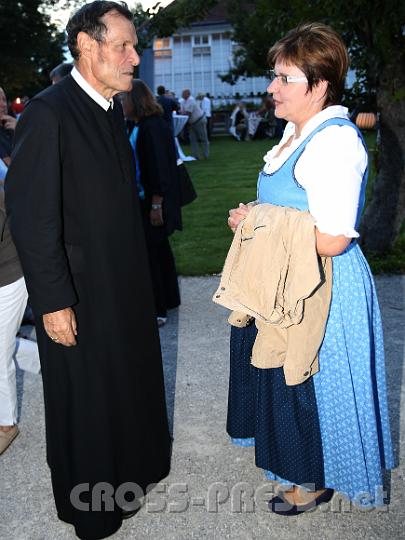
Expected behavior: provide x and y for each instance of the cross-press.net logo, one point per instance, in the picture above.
(179, 497)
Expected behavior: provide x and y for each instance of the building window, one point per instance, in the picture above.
(205, 51)
(165, 53)
(162, 43)
(201, 40)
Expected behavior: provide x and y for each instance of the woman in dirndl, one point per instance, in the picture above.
(331, 432)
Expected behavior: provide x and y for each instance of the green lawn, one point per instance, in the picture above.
(228, 177)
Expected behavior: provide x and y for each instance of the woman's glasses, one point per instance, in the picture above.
(285, 79)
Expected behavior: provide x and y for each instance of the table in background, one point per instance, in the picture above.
(179, 121)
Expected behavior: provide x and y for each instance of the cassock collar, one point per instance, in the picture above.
(84, 85)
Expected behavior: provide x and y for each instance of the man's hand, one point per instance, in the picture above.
(236, 215)
(61, 326)
(8, 122)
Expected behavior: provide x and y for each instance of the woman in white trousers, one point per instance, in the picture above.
(13, 300)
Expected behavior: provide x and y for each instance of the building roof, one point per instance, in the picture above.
(220, 13)
(217, 14)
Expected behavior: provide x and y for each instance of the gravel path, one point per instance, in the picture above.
(200, 497)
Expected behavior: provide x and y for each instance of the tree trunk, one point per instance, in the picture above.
(385, 214)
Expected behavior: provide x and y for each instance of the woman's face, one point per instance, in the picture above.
(294, 102)
(3, 102)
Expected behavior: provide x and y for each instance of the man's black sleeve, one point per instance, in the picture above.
(35, 208)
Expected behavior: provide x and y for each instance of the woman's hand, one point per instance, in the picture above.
(156, 211)
(236, 215)
(330, 246)
(156, 217)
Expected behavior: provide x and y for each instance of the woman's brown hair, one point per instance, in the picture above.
(140, 101)
(319, 52)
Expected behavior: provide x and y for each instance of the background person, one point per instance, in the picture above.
(158, 184)
(8, 124)
(13, 300)
(239, 122)
(7, 127)
(267, 125)
(332, 431)
(206, 107)
(75, 219)
(60, 71)
(197, 124)
(168, 105)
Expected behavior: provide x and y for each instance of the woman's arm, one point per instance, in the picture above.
(331, 171)
(330, 246)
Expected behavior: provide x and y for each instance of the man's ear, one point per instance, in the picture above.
(85, 44)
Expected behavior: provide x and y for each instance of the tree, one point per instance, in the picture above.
(31, 45)
(142, 19)
(181, 13)
(374, 31)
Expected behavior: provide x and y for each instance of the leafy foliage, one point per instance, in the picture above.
(372, 29)
(31, 45)
(181, 13)
(141, 20)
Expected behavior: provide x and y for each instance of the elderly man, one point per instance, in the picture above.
(75, 218)
(197, 124)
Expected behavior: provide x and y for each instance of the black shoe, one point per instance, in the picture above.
(281, 506)
(126, 514)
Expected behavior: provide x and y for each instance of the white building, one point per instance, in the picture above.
(195, 57)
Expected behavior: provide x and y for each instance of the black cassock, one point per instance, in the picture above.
(75, 219)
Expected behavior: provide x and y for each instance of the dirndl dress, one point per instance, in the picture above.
(331, 431)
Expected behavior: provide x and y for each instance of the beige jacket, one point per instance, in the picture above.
(273, 273)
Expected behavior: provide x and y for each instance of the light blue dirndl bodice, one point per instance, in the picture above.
(282, 188)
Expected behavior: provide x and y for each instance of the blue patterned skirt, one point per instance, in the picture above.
(332, 430)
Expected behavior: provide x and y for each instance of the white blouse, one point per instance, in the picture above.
(330, 169)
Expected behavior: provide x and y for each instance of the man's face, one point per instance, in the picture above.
(186, 94)
(113, 60)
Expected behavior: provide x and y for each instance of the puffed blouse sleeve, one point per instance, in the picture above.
(331, 170)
